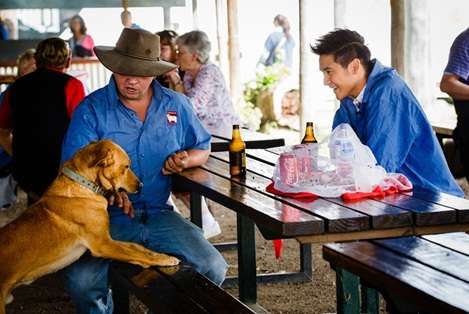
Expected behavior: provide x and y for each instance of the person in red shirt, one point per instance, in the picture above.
(35, 115)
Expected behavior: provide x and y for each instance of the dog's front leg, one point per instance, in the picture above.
(130, 253)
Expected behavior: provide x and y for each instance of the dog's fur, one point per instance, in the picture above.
(68, 220)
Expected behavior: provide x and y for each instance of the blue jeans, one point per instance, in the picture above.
(165, 232)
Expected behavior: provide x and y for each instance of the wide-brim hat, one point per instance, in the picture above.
(137, 53)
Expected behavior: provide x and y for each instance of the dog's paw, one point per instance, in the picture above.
(166, 260)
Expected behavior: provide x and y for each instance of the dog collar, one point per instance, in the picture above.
(83, 181)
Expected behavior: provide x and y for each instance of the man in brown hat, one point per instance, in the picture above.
(160, 132)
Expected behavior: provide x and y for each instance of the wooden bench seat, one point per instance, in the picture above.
(178, 289)
(426, 274)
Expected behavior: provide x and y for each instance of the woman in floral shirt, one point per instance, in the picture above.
(203, 82)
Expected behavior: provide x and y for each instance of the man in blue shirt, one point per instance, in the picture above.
(382, 111)
(161, 134)
(455, 82)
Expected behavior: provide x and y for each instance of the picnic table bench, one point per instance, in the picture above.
(178, 289)
(426, 274)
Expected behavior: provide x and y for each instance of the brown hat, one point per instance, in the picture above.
(137, 53)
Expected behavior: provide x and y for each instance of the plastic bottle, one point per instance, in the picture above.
(237, 150)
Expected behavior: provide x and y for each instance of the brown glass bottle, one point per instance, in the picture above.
(237, 149)
(309, 134)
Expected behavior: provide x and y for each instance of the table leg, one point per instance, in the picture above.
(246, 260)
(306, 260)
(196, 208)
(370, 300)
(347, 291)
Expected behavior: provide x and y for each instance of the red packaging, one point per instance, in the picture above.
(288, 168)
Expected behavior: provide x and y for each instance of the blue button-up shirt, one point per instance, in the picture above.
(392, 123)
(170, 125)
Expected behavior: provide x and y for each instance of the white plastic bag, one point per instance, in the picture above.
(330, 169)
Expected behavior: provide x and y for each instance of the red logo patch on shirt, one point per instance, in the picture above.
(172, 117)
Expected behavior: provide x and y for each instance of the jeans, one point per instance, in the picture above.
(164, 232)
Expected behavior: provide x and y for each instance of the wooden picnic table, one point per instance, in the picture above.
(320, 221)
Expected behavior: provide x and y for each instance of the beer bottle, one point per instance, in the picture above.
(309, 134)
(237, 150)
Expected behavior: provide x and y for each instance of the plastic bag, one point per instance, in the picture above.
(343, 165)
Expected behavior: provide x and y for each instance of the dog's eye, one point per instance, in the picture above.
(127, 167)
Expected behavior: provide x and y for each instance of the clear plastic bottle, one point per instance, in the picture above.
(344, 152)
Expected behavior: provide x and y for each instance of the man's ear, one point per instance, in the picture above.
(355, 65)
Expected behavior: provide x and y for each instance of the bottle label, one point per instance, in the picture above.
(238, 163)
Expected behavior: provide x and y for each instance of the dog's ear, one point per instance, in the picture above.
(104, 157)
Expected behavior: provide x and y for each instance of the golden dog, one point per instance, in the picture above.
(69, 219)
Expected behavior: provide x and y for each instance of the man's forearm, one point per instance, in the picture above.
(451, 85)
(6, 140)
(197, 157)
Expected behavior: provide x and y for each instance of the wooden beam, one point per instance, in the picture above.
(78, 4)
(383, 233)
(234, 51)
(306, 64)
(398, 35)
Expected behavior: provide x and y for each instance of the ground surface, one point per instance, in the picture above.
(46, 296)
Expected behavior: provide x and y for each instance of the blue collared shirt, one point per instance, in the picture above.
(170, 126)
(393, 125)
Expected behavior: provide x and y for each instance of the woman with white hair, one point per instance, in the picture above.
(203, 82)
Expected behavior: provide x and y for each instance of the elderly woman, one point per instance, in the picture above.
(203, 82)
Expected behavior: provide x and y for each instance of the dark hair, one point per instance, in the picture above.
(81, 21)
(168, 38)
(345, 45)
(282, 21)
(52, 52)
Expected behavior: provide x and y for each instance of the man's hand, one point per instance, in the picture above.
(121, 199)
(175, 163)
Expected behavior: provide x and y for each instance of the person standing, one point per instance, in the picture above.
(383, 111)
(126, 19)
(36, 115)
(455, 82)
(278, 47)
(162, 136)
(80, 43)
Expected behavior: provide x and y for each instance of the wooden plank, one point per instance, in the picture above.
(337, 218)
(260, 208)
(381, 215)
(78, 4)
(425, 213)
(157, 292)
(208, 295)
(263, 156)
(381, 233)
(395, 275)
(457, 241)
(252, 139)
(430, 254)
(460, 204)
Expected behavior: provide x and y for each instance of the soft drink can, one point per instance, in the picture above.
(288, 168)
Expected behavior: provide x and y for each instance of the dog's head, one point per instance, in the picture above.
(110, 164)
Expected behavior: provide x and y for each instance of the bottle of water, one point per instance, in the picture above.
(344, 151)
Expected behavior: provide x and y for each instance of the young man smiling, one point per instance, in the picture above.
(382, 111)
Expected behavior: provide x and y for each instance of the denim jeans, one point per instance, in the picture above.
(165, 232)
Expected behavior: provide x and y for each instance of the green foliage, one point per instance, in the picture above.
(265, 81)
